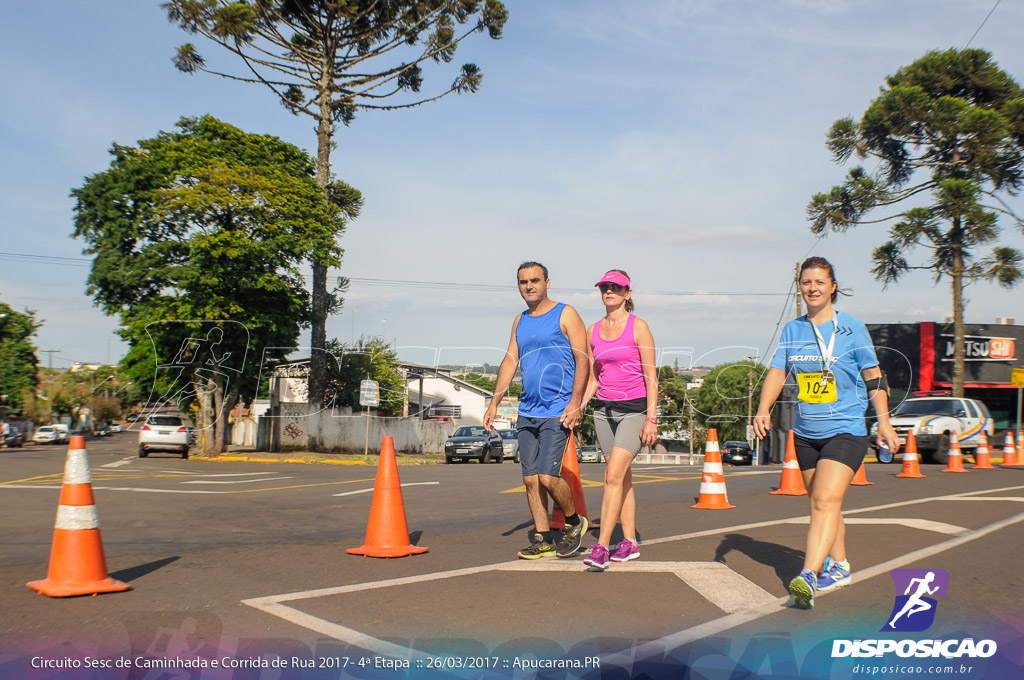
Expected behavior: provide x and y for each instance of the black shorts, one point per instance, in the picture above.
(848, 449)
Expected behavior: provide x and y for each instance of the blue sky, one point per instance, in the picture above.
(680, 141)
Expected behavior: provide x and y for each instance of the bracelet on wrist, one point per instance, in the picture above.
(652, 420)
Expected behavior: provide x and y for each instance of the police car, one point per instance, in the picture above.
(933, 417)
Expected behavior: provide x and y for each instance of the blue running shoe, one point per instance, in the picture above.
(835, 575)
(803, 588)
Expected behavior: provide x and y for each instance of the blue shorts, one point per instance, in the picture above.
(542, 443)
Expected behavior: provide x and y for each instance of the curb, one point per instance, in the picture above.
(250, 459)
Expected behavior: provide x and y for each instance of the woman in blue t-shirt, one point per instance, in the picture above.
(832, 360)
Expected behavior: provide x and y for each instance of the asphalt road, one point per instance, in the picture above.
(242, 560)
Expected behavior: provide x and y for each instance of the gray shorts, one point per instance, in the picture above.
(617, 428)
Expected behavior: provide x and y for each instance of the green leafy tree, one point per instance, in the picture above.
(19, 365)
(104, 409)
(727, 396)
(329, 59)
(372, 359)
(202, 229)
(947, 131)
(674, 406)
(514, 390)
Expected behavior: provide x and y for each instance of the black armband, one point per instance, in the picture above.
(872, 385)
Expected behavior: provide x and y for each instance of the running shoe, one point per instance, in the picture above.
(803, 588)
(572, 538)
(627, 550)
(539, 548)
(598, 557)
(834, 575)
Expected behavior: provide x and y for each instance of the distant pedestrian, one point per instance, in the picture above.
(625, 381)
(548, 345)
(832, 358)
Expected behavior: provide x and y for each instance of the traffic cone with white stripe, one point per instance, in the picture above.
(1009, 453)
(981, 455)
(792, 483)
(77, 563)
(956, 456)
(911, 459)
(712, 481)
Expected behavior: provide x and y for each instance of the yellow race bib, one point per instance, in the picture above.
(814, 390)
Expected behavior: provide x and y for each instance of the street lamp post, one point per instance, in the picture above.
(750, 411)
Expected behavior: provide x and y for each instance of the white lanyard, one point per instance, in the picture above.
(826, 351)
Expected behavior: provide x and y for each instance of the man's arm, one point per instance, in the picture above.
(572, 326)
(506, 372)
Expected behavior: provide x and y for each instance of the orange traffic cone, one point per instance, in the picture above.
(77, 563)
(792, 481)
(1009, 453)
(911, 460)
(712, 481)
(861, 478)
(956, 456)
(387, 534)
(571, 474)
(981, 455)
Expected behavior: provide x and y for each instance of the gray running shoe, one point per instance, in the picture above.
(572, 538)
(539, 548)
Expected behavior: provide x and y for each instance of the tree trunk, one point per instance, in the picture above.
(205, 415)
(218, 413)
(318, 322)
(958, 321)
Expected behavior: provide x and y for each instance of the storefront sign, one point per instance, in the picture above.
(981, 348)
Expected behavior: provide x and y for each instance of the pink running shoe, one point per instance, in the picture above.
(627, 550)
(598, 557)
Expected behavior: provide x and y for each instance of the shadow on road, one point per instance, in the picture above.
(783, 559)
(131, 573)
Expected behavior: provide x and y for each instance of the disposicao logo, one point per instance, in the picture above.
(914, 610)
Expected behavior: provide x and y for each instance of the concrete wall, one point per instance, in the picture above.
(344, 431)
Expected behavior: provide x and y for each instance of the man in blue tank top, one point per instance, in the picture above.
(548, 344)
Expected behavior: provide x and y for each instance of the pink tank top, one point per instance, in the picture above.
(619, 371)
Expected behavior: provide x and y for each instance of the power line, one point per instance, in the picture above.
(983, 23)
(405, 283)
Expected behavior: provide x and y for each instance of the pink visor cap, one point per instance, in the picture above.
(614, 277)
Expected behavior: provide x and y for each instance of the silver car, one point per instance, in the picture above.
(510, 444)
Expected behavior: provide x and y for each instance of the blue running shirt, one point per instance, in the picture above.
(547, 363)
(799, 353)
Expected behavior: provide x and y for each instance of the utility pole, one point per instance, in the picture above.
(796, 278)
(690, 403)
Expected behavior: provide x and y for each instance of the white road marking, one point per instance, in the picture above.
(923, 524)
(714, 581)
(352, 493)
(725, 623)
(232, 481)
(764, 602)
(119, 463)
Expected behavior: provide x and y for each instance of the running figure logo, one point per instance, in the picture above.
(914, 610)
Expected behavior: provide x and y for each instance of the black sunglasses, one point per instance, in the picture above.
(616, 288)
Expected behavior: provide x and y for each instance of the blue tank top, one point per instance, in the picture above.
(547, 364)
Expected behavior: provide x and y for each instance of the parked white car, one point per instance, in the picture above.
(163, 433)
(46, 434)
(934, 418)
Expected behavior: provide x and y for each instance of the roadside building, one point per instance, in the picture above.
(918, 357)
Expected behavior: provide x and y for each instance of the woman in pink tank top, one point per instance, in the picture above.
(625, 381)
